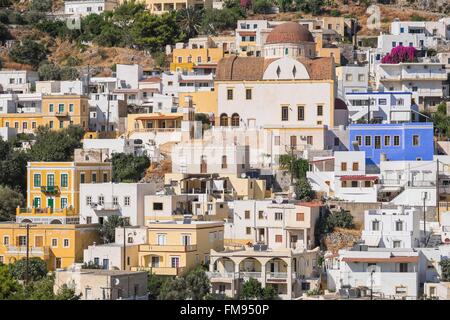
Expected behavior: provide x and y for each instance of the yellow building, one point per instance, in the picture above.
(53, 190)
(204, 101)
(188, 59)
(163, 6)
(177, 246)
(138, 122)
(59, 245)
(58, 111)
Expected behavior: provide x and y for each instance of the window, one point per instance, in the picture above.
(6, 240)
(361, 77)
(359, 140)
(387, 141)
(126, 201)
(293, 141)
(94, 177)
(367, 184)
(155, 262)
(397, 244)
(115, 200)
(58, 263)
(377, 142)
(24, 125)
(63, 203)
(54, 242)
(185, 239)
(33, 125)
(175, 262)
(278, 215)
(105, 264)
(320, 110)
(309, 140)
(16, 125)
(224, 162)
(247, 214)
(88, 220)
(301, 113)
(229, 94)
(50, 107)
(50, 180)
(248, 230)
(161, 239)
(66, 243)
(403, 267)
(382, 102)
(61, 124)
(354, 184)
(260, 214)
(284, 113)
(50, 124)
(37, 180)
(81, 177)
(355, 166)
(399, 225)
(278, 238)
(277, 140)
(71, 107)
(368, 140)
(96, 261)
(396, 140)
(300, 216)
(376, 225)
(348, 77)
(64, 180)
(416, 140)
(101, 200)
(105, 177)
(248, 94)
(88, 200)
(157, 206)
(61, 108)
(343, 166)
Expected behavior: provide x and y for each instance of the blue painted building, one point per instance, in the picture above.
(403, 141)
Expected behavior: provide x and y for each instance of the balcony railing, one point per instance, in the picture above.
(165, 248)
(51, 190)
(105, 206)
(167, 271)
(50, 211)
(245, 274)
(22, 250)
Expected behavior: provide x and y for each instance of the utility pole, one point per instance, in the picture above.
(424, 221)
(124, 249)
(371, 284)
(27, 256)
(437, 191)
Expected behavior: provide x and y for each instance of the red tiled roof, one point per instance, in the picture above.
(359, 178)
(289, 32)
(247, 33)
(152, 79)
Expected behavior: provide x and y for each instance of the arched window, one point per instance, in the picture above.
(235, 120)
(224, 120)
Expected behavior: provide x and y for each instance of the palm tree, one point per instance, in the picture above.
(190, 20)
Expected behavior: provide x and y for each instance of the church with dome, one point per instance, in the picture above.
(288, 91)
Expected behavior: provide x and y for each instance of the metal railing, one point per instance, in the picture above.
(161, 248)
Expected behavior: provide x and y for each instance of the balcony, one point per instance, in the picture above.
(167, 248)
(61, 113)
(22, 251)
(105, 208)
(45, 211)
(164, 271)
(245, 274)
(50, 190)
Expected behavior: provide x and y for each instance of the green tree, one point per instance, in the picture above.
(441, 121)
(262, 6)
(91, 265)
(36, 266)
(108, 229)
(49, 71)
(216, 21)
(337, 219)
(285, 5)
(445, 269)
(43, 289)
(197, 283)
(269, 293)
(28, 52)
(297, 167)
(52, 145)
(251, 290)
(69, 74)
(154, 285)
(190, 20)
(128, 167)
(174, 289)
(9, 201)
(13, 166)
(40, 5)
(304, 190)
(4, 32)
(10, 288)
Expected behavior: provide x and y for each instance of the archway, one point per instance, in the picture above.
(224, 120)
(235, 120)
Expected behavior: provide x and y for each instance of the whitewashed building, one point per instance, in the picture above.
(391, 228)
(119, 145)
(83, 8)
(17, 81)
(101, 200)
(352, 78)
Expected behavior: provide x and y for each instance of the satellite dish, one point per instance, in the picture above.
(279, 199)
(243, 175)
(116, 281)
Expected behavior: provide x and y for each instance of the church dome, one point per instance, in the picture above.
(289, 32)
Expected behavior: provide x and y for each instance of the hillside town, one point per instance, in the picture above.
(291, 159)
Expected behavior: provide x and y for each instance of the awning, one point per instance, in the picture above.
(372, 241)
(359, 178)
(247, 33)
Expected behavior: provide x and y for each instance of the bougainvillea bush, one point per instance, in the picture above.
(400, 54)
